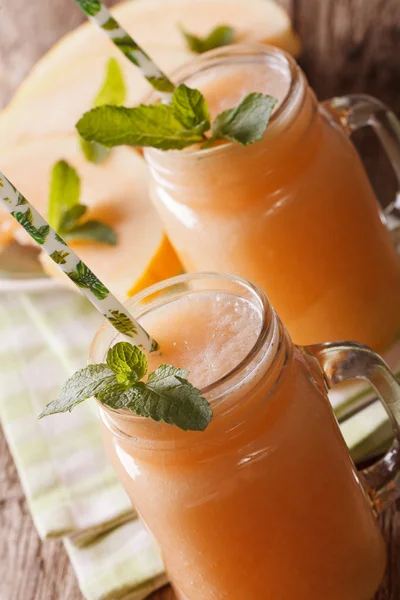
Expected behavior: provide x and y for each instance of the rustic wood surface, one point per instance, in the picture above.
(349, 46)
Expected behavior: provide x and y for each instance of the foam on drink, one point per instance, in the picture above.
(207, 334)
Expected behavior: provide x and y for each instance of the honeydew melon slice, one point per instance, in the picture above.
(116, 194)
(155, 25)
(60, 100)
(64, 82)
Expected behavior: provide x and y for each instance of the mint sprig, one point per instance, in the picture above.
(247, 122)
(164, 126)
(182, 123)
(165, 396)
(65, 212)
(222, 35)
(113, 91)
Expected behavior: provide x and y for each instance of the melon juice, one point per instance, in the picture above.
(265, 504)
(294, 213)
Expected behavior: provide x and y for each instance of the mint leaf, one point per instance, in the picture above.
(113, 395)
(65, 210)
(128, 362)
(153, 125)
(166, 376)
(95, 153)
(246, 123)
(83, 384)
(93, 231)
(181, 405)
(166, 396)
(179, 124)
(190, 108)
(220, 36)
(70, 217)
(64, 191)
(113, 90)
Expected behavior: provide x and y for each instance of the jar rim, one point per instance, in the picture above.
(218, 57)
(252, 367)
(266, 311)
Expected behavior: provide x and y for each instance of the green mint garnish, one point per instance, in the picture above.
(220, 36)
(165, 126)
(128, 362)
(177, 125)
(190, 108)
(166, 395)
(65, 189)
(65, 211)
(94, 152)
(247, 122)
(112, 91)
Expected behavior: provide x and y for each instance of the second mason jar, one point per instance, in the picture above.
(265, 504)
(295, 213)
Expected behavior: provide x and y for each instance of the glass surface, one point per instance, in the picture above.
(266, 500)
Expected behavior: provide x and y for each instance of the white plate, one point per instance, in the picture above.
(28, 285)
(20, 270)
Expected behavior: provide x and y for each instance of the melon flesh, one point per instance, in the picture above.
(117, 194)
(65, 81)
(154, 25)
(60, 101)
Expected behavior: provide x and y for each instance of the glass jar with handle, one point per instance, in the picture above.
(295, 212)
(266, 502)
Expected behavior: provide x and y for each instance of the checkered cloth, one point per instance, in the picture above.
(70, 486)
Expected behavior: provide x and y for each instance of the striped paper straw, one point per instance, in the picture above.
(101, 16)
(70, 263)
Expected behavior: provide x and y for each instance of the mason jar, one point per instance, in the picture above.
(295, 213)
(266, 501)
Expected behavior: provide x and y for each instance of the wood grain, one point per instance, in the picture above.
(349, 46)
(353, 46)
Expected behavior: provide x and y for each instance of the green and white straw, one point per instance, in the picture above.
(101, 16)
(70, 263)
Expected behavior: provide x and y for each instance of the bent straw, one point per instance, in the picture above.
(70, 263)
(101, 16)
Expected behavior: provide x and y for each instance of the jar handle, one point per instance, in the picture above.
(348, 360)
(360, 110)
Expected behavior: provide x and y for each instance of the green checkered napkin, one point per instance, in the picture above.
(122, 564)
(70, 486)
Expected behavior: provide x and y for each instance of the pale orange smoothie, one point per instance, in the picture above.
(295, 213)
(265, 504)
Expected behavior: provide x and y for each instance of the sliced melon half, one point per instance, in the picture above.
(64, 82)
(155, 25)
(116, 193)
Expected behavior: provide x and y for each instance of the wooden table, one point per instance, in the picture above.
(349, 46)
